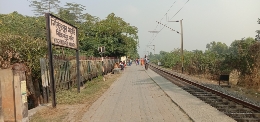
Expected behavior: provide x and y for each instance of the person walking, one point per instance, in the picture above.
(146, 62)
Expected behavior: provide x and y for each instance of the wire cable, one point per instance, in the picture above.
(180, 9)
(171, 18)
(161, 20)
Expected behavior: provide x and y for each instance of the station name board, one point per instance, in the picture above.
(62, 34)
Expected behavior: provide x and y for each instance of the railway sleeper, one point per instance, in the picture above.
(219, 103)
(196, 93)
(244, 115)
(212, 101)
(220, 100)
(227, 107)
(204, 94)
(247, 119)
(209, 98)
(192, 89)
(236, 110)
(188, 89)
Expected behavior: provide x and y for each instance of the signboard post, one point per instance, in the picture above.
(101, 49)
(60, 33)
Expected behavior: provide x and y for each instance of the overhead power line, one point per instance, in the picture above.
(162, 19)
(166, 24)
(180, 9)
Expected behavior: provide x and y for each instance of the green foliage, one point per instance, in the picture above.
(17, 24)
(76, 10)
(217, 59)
(242, 56)
(44, 6)
(258, 32)
(116, 35)
(14, 48)
(239, 55)
(217, 47)
(23, 38)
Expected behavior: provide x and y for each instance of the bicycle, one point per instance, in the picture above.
(146, 66)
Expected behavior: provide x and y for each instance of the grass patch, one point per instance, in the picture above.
(69, 100)
(89, 90)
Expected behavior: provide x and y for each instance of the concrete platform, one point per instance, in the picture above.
(196, 109)
(134, 97)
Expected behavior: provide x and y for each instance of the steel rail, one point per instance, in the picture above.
(223, 95)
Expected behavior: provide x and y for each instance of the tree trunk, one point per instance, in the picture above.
(33, 93)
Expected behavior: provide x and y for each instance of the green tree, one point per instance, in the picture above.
(77, 10)
(119, 38)
(258, 32)
(241, 59)
(66, 15)
(218, 47)
(44, 6)
(17, 24)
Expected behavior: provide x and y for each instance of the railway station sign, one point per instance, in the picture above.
(62, 33)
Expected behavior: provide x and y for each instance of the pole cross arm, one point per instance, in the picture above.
(178, 32)
(154, 31)
(173, 21)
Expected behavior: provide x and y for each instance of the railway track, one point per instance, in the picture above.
(235, 108)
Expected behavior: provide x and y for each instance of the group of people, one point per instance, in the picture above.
(120, 64)
(142, 61)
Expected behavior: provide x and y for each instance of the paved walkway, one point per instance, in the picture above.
(135, 97)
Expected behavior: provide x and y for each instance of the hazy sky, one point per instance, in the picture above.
(204, 21)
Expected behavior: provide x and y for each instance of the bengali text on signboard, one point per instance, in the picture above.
(62, 34)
